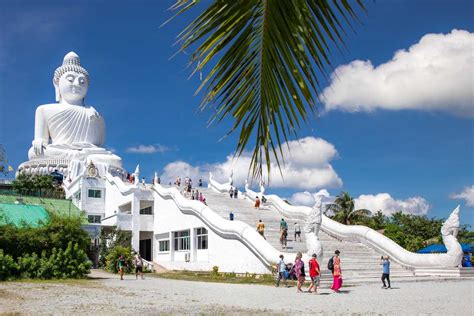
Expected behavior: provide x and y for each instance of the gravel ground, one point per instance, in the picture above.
(108, 295)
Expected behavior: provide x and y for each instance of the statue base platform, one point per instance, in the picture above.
(70, 169)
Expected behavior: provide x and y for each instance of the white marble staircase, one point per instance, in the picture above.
(359, 263)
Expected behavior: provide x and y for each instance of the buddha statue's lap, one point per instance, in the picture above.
(69, 130)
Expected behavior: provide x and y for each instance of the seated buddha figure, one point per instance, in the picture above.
(69, 129)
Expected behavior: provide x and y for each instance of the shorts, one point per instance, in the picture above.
(138, 269)
(297, 233)
(315, 280)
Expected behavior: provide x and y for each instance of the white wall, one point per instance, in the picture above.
(229, 255)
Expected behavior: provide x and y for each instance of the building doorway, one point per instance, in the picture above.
(145, 249)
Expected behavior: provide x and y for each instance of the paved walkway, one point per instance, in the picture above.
(108, 295)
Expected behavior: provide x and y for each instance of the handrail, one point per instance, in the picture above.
(236, 230)
(149, 265)
(368, 237)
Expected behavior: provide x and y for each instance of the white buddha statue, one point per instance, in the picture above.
(69, 130)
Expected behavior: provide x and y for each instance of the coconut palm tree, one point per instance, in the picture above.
(343, 210)
(266, 59)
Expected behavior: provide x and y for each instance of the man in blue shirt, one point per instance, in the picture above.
(281, 268)
(386, 271)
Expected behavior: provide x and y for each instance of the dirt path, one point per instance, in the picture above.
(108, 295)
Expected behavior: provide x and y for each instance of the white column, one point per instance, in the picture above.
(136, 224)
(171, 247)
(192, 244)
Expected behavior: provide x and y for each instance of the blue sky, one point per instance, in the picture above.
(415, 155)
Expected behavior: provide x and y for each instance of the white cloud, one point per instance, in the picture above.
(307, 167)
(435, 74)
(388, 205)
(308, 199)
(182, 169)
(147, 149)
(467, 194)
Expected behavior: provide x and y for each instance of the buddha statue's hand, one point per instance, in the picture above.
(38, 146)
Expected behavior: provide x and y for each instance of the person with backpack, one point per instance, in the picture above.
(314, 273)
(334, 264)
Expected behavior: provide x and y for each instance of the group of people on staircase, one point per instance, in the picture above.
(297, 272)
(284, 233)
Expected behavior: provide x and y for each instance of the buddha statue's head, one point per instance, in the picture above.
(71, 80)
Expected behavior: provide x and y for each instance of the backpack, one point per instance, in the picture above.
(331, 264)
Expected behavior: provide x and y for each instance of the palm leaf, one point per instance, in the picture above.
(266, 58)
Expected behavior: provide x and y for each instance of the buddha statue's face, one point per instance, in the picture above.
(73, 87)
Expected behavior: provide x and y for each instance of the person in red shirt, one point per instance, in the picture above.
(314, 273)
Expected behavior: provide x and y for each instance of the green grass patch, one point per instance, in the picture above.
(235, 278)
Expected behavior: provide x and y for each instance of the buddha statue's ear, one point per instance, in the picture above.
(57, 93)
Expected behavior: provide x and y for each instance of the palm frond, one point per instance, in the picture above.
(265, 58)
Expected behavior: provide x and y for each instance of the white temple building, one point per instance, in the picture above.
(175, 232)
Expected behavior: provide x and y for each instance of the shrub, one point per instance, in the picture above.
(18, 241)
(8, 267)
(114, 255)
(69, 263)
(61, 264)
(29, 266)
(215, 270)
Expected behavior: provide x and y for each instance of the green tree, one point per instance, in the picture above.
(343, 210)
(110, 239)
(24, 184)
(266, 59)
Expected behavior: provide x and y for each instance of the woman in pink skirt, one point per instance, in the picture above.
(336, 272)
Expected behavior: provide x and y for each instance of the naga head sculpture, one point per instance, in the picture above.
(451, 225)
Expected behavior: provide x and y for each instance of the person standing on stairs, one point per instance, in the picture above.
(297, 231)
(283, 233)
(257, 203)
(385, 262)
(261, 228)
(334, 265)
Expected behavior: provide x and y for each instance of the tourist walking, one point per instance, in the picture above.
(138, 261)
(334, 265)
(314, 273)
(236, 192)
(297, 231)
(231, 192)
(299, 271)
(261, 228)
(283, 233)
(121, 263)
(385, 262)
(200, 183)
(257, 203)
(281, 270)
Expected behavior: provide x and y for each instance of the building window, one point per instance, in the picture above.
(181, 240)
(201, 234)
(94, 219)
(77, 196)
(147, 210)
(163, 245)
(94, 193)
